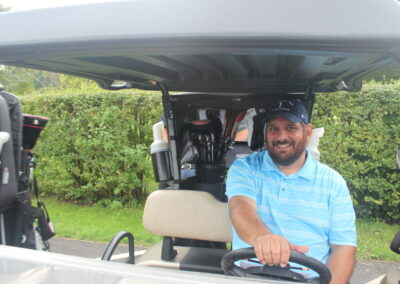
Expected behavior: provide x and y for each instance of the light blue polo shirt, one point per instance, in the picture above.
(311, 207)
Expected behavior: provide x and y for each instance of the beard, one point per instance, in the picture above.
(284, 157)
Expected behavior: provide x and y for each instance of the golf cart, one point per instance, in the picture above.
(227, 61)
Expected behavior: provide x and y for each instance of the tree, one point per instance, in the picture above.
(23, 80)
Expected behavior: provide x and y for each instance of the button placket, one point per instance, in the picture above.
(283, 186)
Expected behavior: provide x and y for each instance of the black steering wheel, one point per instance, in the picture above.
(229, 268)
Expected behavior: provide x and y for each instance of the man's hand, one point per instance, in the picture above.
(274, 249)
(270, 249)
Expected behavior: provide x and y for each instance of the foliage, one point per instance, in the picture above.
(386, 75)
(95, 147)
(361, 140)
(23, 81)
(71, 83)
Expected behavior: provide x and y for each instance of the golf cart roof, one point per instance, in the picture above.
(209, 46)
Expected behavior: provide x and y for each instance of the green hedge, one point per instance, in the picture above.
(362, 132)
(96, 145)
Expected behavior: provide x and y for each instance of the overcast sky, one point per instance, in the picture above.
(18, 5)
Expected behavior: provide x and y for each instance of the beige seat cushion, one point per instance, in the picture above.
(187, 214)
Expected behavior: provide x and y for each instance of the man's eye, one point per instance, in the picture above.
(291, 128)
(272, 128)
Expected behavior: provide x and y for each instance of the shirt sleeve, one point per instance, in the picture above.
(240, 180)
(342, 221)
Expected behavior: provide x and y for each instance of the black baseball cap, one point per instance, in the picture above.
(293, 110)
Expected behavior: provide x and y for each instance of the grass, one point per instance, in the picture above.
(97, 223)
(374, 240)
(101, 224)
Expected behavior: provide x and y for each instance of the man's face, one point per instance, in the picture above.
(286, 141)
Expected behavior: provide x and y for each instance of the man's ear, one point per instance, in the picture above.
(309, 129)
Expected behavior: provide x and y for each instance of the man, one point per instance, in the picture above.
(282, 199)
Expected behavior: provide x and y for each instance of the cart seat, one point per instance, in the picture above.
(186, 214)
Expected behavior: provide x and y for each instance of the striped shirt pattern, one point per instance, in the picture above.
(311, 207)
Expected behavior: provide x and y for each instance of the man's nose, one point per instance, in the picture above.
(282, 134)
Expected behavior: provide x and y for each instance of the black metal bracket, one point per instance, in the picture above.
(168, 252)
(169, 116)
(114, 243)
(395, 244)
(308, 101)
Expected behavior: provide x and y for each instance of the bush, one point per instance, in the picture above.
(95, 147)
(361, 140)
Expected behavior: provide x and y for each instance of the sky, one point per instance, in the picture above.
(19, 5)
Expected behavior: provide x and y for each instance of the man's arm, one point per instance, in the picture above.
(342, 231)
(269, 248)
(341, 263)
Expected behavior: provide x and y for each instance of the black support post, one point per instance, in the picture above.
(169, 116)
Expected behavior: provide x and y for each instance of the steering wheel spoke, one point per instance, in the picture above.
(275, 272)
(286, 273)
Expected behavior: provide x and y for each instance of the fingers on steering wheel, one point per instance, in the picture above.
(285, 254)
(258, 249)
(268, 252)
(276, 248)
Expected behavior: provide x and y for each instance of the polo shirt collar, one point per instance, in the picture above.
(307, 171)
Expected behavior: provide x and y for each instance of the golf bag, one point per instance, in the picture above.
(21, 224)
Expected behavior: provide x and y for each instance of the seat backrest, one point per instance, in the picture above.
(187, 214)
(238, 150)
